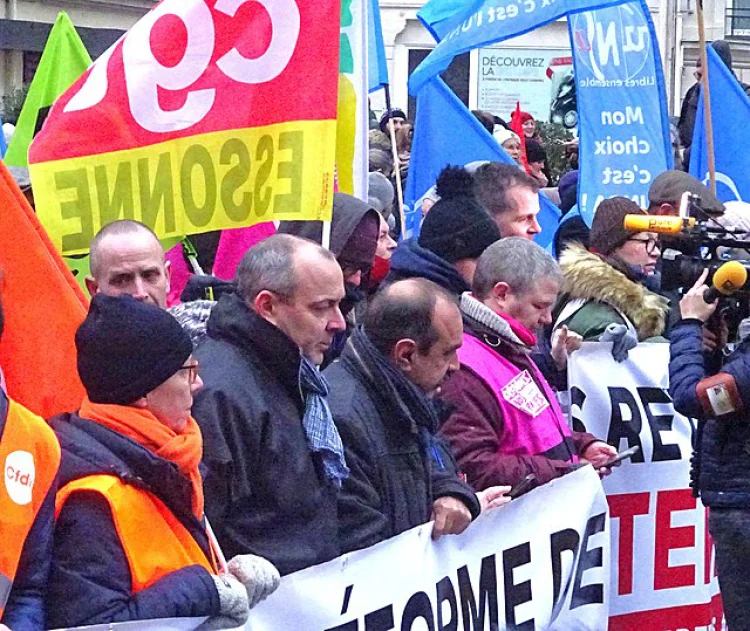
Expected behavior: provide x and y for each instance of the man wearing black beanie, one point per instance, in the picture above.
(454, 234)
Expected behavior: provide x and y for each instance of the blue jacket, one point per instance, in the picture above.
(90, 581)
(24, 610)
(721, 462)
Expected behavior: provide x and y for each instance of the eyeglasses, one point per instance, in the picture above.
(192, 372)
(652, 245)
(349, 270)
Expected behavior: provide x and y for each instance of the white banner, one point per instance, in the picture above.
(538, 563)
(663, 573)
(541, 562)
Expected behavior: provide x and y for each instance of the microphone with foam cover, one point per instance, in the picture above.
(728, 279)
(657, 223)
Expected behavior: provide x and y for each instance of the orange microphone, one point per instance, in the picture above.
(728, 279)
(658, 223)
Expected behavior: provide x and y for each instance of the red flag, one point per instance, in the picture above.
(516, 124)
(43, 308)
(204, 116)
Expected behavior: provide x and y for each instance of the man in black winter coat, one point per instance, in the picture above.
(401, 475)
(274, 458)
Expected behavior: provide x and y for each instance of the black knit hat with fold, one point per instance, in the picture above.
(126, 348)
(457, 227)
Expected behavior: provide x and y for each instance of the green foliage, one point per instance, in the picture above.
(553, 136)
(12, 104)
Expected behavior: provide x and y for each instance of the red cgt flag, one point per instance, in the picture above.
(43, 308)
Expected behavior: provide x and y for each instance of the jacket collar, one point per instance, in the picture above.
(233, 321)
(90, 448)
(410, 260)
(587, 277)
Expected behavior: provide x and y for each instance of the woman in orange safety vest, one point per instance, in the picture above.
(131, 540)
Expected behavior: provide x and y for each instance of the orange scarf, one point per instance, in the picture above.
(184, 449)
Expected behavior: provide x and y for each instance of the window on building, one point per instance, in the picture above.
(456, 76)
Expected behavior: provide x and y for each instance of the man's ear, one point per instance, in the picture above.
(265, 305)
(141, 403)
(668, 209)
(500, 292)
(403, 353)
(168, 274)
(91, 285)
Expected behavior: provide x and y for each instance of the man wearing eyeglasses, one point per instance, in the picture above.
(609, 293)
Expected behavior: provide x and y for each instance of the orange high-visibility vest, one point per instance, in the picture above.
(30, 460)
(153, 539)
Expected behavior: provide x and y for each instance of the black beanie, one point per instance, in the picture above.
(458, 228)
(126, 348)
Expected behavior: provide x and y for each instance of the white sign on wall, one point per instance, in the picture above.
(541, 80)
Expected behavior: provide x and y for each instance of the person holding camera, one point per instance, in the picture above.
(720, 471)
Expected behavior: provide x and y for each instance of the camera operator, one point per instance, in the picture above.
(720, 470)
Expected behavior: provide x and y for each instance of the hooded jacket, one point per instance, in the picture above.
(608, 294)
(90, 581)
(410, 260)
(266, 493)
(348, 212)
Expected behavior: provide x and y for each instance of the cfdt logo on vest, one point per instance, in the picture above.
(19, 476)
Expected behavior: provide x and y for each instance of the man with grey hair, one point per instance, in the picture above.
(506, 422)
(274, 456)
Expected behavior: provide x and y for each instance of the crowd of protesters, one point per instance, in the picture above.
(323, 401)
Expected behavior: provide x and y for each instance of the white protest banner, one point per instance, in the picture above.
(540, 562)
(663, 572)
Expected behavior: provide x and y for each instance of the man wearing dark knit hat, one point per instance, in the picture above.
(608, 285)
(131, 541)
(454, 234)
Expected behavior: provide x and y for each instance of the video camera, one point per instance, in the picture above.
(694, 241)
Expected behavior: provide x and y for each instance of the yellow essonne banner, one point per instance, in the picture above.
(189, 185)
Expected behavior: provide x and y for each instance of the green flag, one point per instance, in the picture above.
(64, 60)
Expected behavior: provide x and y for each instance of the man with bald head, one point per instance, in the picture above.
(274, 457)
(126, 258)
(401, 475)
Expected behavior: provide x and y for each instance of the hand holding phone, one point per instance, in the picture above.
(623, 455)
(524, 486)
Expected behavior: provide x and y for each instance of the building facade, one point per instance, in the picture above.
(407, 42)
(477, 77)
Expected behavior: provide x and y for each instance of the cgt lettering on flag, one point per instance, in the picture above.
(200, 118)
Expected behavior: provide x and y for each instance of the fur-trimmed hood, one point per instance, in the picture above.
(586, 276)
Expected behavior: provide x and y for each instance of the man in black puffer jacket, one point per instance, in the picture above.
(401, 475)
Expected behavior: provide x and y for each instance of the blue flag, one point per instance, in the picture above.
(446, 132)
(731, 134)
(377, 68)
(3, 145)
(442, 16)
(487, 22)
(622, 106)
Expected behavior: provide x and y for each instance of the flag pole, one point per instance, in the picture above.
(396, 164)
(707, 121)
